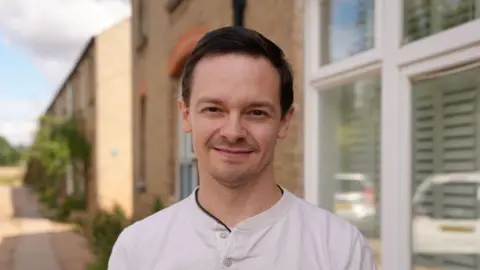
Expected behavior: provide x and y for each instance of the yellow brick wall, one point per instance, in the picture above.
(113, 126)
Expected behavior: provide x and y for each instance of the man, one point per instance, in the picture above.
(237, 95)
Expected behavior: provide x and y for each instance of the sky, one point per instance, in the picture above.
(39, 42)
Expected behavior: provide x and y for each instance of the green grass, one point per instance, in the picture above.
(9, 181)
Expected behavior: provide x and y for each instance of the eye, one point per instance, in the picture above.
(211, 110)
(257, 113)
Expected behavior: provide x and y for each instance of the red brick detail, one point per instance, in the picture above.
(183, 48)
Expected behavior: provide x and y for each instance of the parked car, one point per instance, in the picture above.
(446, 215)
(355, 201)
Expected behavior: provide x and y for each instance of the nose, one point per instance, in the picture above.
(232, 129)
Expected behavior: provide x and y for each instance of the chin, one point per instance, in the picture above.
(231, 178)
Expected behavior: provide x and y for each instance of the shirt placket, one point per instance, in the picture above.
(226, 242)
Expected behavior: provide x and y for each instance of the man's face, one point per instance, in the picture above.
(234, 116)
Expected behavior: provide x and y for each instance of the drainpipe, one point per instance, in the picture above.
(238, 12)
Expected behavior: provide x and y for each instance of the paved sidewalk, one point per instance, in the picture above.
(33, 249)
(29, 241)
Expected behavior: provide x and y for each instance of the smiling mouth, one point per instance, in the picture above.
(233, 152)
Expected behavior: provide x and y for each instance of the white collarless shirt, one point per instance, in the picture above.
(291, 235)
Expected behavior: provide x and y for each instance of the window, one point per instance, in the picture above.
(70, 99)
(347, 28)
(445, 171)
(408, 136)
(188, 175)
(188, 172)
(83, 86)
(427, 17)
(351, 130)
(142, 24)
(188, 178)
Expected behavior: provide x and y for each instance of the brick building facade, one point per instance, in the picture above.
(97, 93)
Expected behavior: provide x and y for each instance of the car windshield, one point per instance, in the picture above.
(452, 200)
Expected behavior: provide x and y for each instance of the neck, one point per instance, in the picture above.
(233, 205)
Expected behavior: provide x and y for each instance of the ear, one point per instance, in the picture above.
(184, 113)
(285, 123)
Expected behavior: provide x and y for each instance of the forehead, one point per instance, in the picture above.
(235, 77)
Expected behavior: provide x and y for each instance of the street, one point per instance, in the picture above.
(29, 241)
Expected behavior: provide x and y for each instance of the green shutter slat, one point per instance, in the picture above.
(459, 131)
(459, 108)
(463, 95)
(460, 155)
(424, 156)
(458, 166)
(425, 166)
(453, 121)
(463, 143)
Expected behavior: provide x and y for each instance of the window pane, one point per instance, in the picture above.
(427, 17)
(445, 172)
(350, 169)
(186, 176)
(347, 28)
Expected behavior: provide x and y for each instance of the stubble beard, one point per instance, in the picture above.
(235, 178)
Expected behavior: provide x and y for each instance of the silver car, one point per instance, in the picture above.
(355, 201)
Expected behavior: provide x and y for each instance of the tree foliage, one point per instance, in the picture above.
(9, 155)
(59, 142)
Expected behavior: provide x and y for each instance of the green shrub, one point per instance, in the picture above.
(75, 203)
(157, 206)
(70, 204)
(48, 196)
(98, 264)
(106, 227)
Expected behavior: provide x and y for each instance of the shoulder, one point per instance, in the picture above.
(144, 233)
(324, 222)
(341, 240)
(155, 224)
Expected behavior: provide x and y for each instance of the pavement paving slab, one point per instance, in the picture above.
(29, 241)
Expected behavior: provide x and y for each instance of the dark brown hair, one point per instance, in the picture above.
(239, 40)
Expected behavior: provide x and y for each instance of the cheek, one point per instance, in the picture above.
(264, 135)
(202, 131)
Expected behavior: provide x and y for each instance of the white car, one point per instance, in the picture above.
(446, 215)
(355, 201)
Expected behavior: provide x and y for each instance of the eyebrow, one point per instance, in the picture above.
(253, 104)
(262, 104)
(209, 100)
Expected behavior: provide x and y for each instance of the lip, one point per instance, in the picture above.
(233, 152)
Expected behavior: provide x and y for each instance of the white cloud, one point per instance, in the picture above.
(53, 32)
(18, 132)
(18, 119)
(12, 109)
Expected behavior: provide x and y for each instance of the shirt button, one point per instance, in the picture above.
(227, 262)
(223, 235)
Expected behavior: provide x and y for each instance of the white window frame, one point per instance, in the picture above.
(398, 65)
